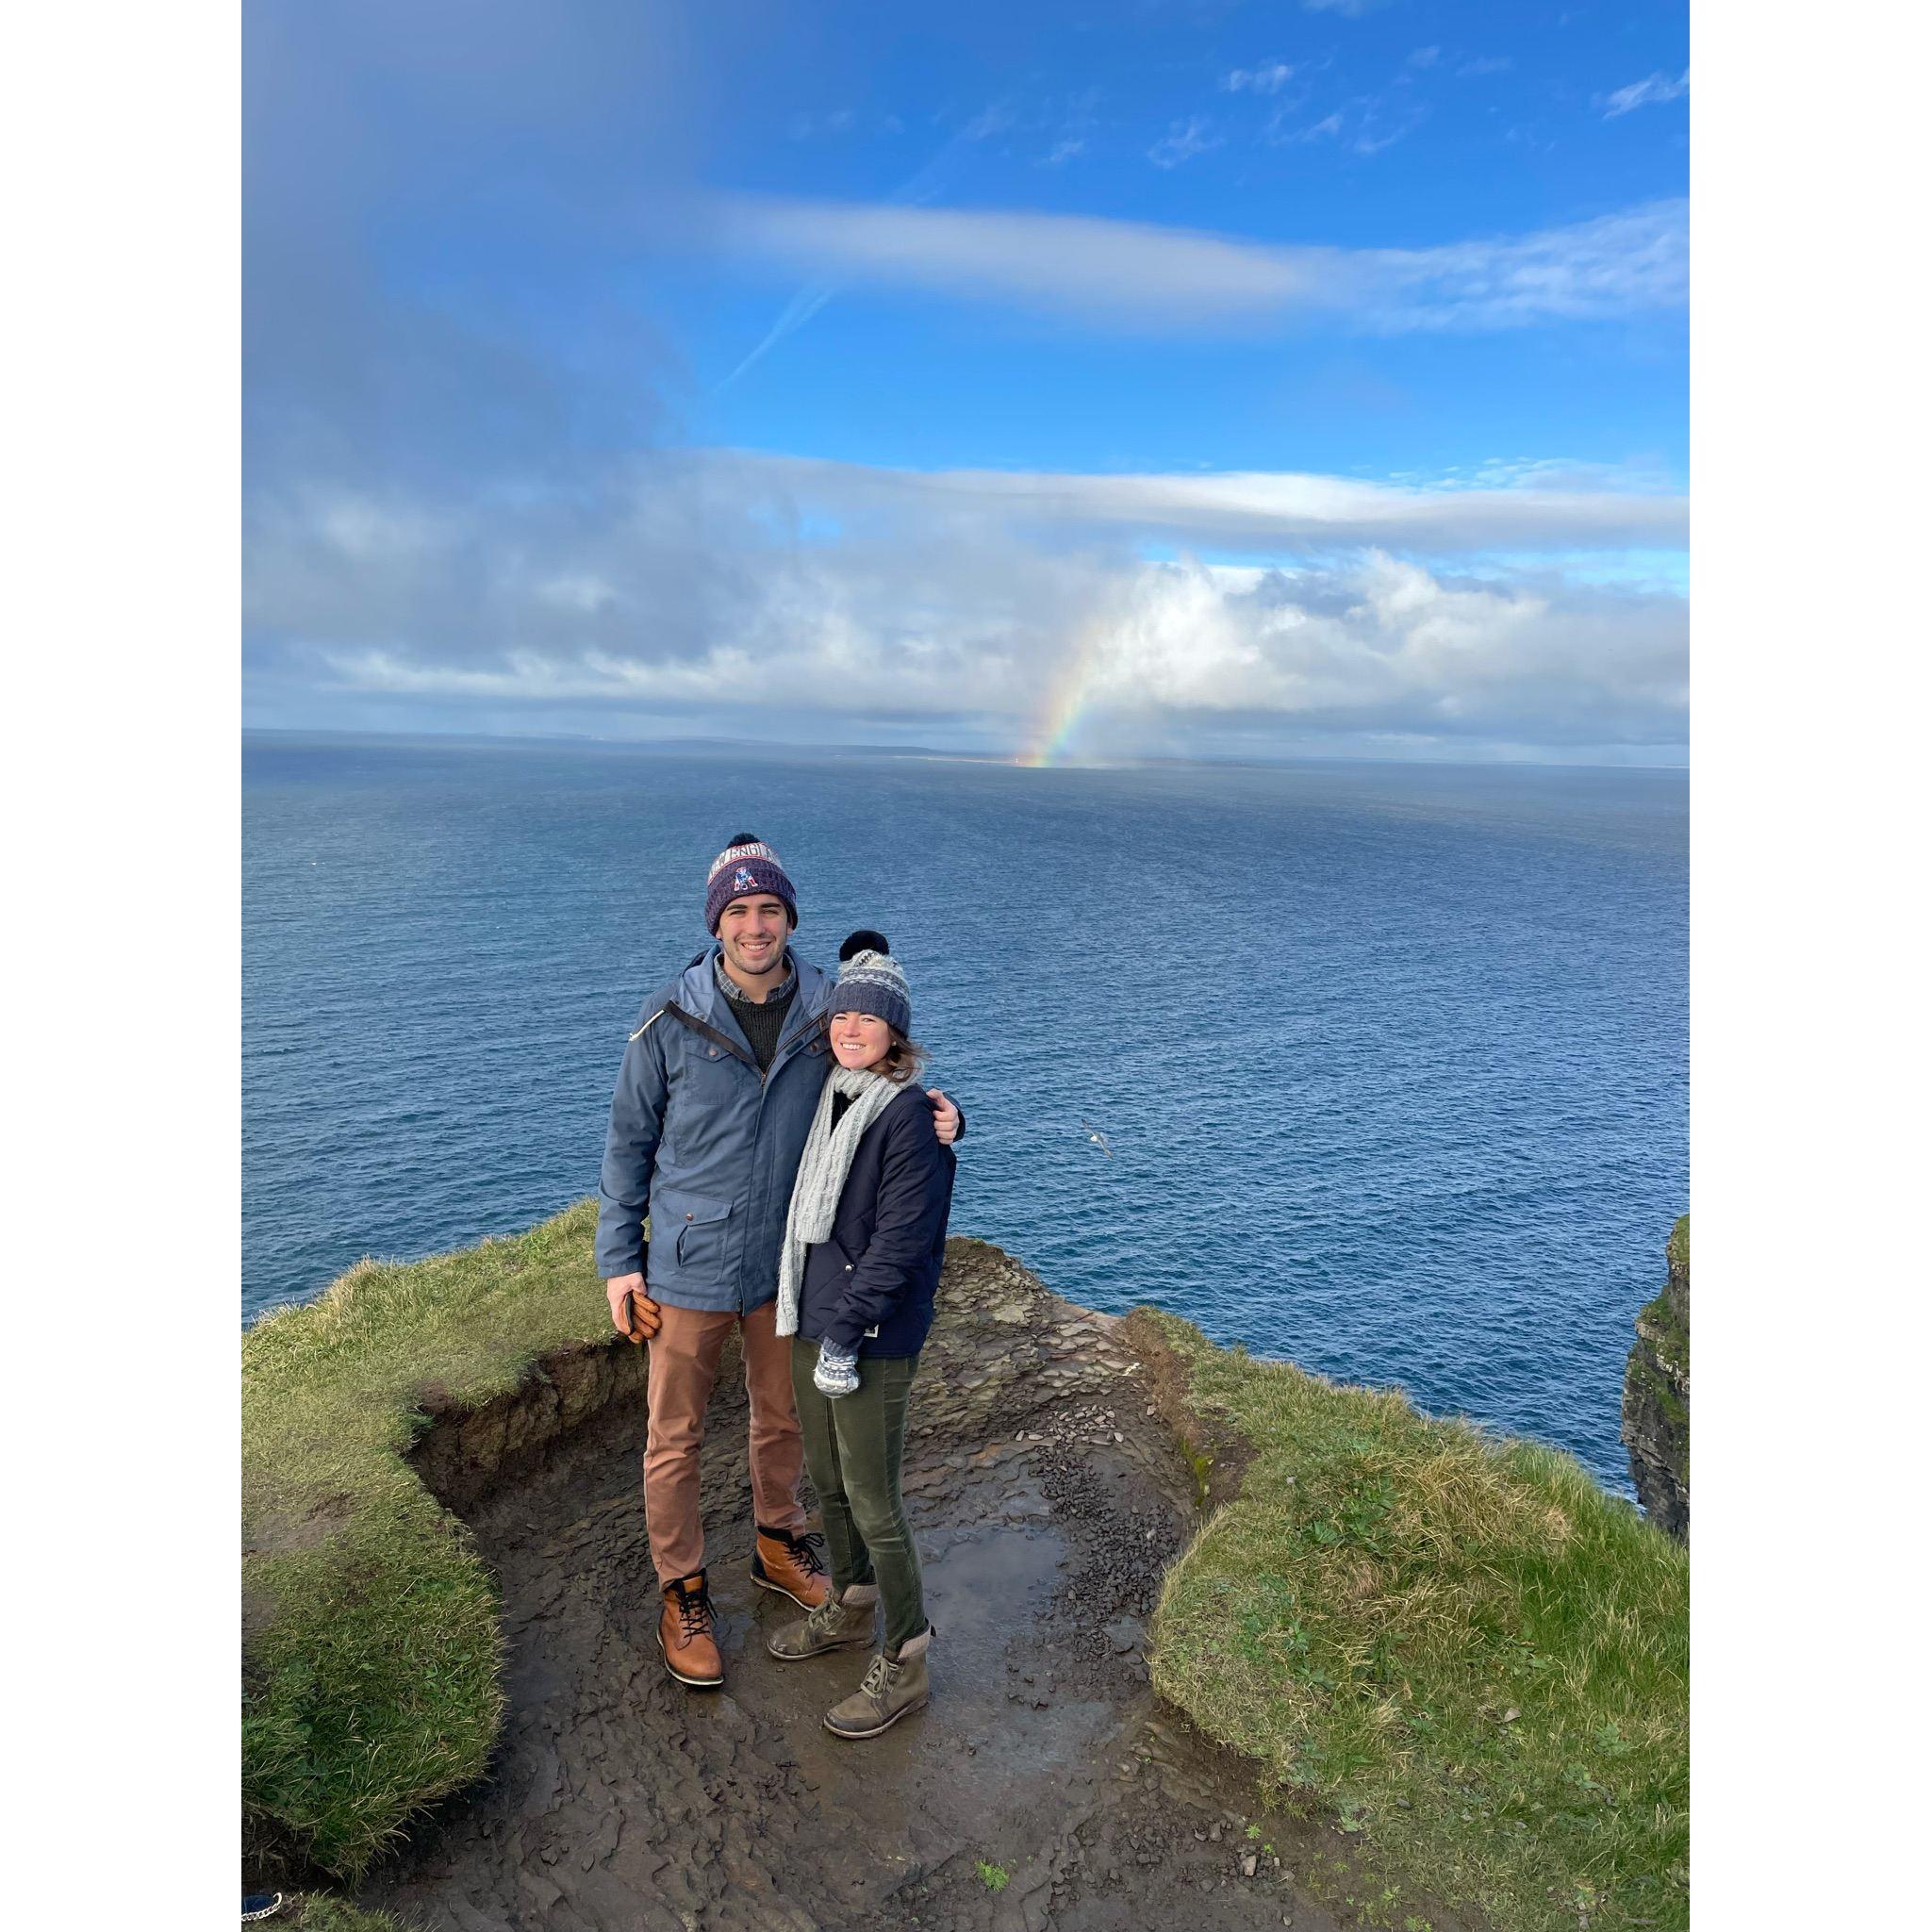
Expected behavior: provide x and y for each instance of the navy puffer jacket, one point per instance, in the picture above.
(872, 1287)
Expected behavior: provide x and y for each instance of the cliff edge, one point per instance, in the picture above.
(1657, 1395)
(1219, 1642)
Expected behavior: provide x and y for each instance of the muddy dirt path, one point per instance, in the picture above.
(1042, 1787)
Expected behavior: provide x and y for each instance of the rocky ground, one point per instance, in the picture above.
(1042, 1787)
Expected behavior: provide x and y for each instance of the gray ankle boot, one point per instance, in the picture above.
(891, 1687)
(840, 1623)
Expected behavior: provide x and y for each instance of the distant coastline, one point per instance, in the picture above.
(1011, 757)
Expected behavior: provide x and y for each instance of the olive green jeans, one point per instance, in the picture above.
(852, 1448)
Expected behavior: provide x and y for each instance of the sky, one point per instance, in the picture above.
(1058, 382)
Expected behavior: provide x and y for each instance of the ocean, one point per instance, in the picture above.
(1391, 1060)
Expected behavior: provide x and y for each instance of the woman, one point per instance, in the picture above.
(856, 1279)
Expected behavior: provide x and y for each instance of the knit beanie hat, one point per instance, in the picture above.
(871, 981)
(745, 867)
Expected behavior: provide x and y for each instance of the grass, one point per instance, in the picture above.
(318, 1913)
(371, 1659)
(992, 1876)
(1465, 1651)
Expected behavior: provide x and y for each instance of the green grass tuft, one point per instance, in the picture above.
(319, 1914)
(1460, 1645)
(371, 1662)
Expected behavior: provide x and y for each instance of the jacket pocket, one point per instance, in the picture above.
(848, 1265)
(695, 1229)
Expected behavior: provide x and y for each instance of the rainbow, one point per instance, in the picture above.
(1066, 704)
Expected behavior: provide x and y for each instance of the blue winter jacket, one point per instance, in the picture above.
(871, 1285)
(706, 1145)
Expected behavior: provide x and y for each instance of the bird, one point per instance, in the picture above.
(1100, 1140)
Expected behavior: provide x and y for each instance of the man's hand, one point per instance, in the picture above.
(632, 1313)
(945, 1117)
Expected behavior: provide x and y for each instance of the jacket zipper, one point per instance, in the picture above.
(732, 1046)
(811, 1026)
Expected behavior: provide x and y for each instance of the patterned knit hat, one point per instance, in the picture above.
(746, 866)
(871, 981)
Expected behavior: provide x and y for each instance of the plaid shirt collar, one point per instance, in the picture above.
(732, 990)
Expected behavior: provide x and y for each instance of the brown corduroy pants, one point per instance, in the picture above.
(683, 1365)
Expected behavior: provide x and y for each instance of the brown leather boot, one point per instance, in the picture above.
(685, 1634)
(794, 1566)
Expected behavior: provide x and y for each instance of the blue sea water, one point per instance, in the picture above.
(1391, 1060)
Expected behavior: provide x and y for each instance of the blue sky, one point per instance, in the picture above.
(1289, 380)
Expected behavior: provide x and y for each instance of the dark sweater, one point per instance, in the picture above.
(763, 1024)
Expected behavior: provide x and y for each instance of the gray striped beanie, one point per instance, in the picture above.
(871, 981)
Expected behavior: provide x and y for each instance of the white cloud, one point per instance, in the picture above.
(1183, 141)
(1270, 77)
(997, 118)
(1641, 94)
(728, 583)
(1424, 57)
(1327, 127)
(1365, 125)
(804, 126)
(1234, 509)
(1383, 644)
(1128, 273)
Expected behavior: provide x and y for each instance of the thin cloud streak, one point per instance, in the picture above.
(916, 188)
(1233, 509)
(1134, 275)
(794, 316)
(1643, 93)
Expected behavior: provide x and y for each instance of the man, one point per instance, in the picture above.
(712, 1103)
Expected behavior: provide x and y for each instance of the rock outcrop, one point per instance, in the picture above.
(1657, 1395)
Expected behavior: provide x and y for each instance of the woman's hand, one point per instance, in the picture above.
(945, 1117)
(632, 1313)
(837, 1373)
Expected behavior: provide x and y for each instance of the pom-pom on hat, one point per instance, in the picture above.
(871, 981)
(746, 868)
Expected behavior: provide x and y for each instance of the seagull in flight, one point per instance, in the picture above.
(1100, 1140)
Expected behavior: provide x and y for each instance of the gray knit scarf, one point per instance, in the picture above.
(822, 1170)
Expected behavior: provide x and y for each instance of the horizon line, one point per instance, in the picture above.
(1017, 758)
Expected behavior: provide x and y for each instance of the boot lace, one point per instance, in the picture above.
(878, 1675)
(694, 1610)
(810, 1551)
(828, 1615)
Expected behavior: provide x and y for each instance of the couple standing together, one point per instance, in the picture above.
(798, 1179)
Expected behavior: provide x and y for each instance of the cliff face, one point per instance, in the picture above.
(1657, 1395)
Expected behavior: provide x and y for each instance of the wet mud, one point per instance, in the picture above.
(1044, 1786)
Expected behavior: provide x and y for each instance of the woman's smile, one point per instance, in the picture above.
(859, 1039)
